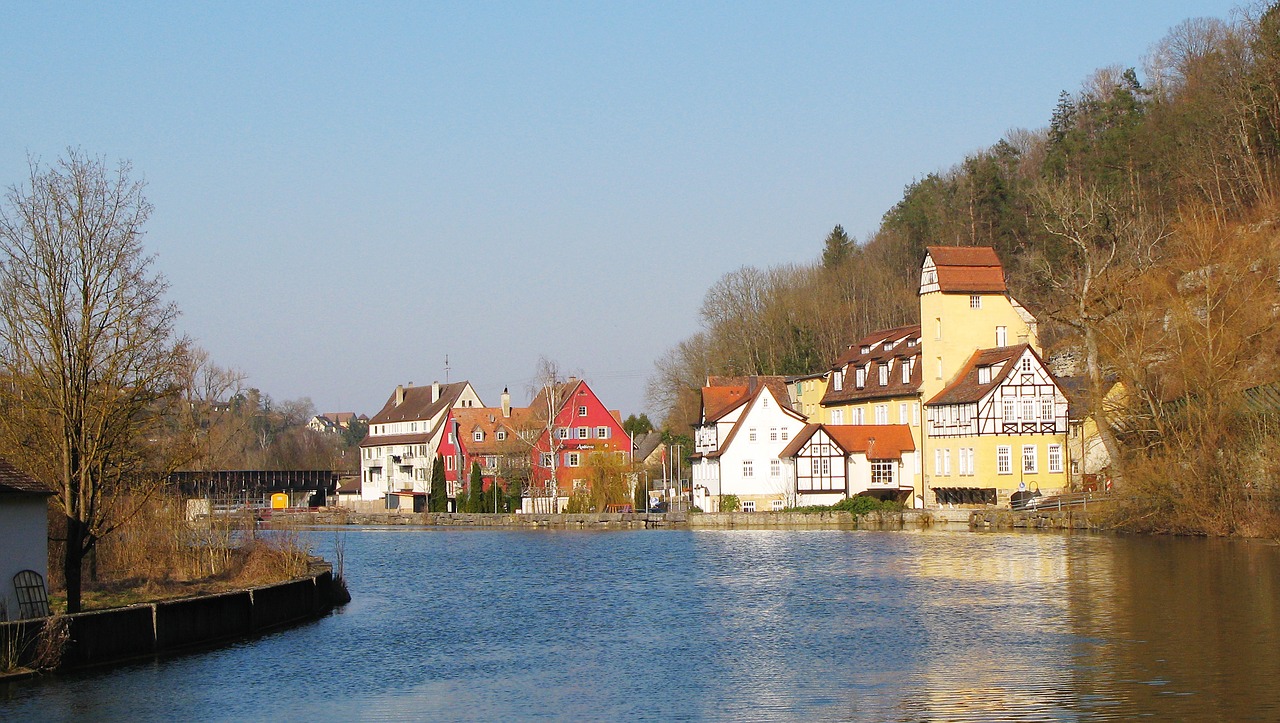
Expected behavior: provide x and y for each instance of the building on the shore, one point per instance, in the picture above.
(746, 422)
(831, 462)
(24, 537)
(572, 425)
(405, 437)
(985, 416)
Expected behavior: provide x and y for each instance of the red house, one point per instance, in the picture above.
(580, 426)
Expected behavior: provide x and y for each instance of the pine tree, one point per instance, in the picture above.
(476, 498)
(837, 248)
(439, 498)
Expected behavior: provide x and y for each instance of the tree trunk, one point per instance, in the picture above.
(72, 563)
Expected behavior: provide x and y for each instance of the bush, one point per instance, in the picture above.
(730, 503)
(857, 505)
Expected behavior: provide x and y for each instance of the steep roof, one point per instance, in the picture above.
(417, 404)
(884, 346)
(490, 420)
(876, 441)
(722, 394)
(15, 481)
(966, 388)
(760, 389)
(968, 269)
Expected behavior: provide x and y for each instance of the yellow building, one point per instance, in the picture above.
(986, 416)
(806, 393)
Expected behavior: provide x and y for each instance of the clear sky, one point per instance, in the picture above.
(345, 193)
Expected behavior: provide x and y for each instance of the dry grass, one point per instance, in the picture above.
(159, 554)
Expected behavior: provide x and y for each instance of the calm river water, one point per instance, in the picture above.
(740, 625)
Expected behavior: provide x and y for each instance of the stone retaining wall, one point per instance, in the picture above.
(601, 521)
(1070, 519)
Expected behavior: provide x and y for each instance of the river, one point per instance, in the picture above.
(738, 625)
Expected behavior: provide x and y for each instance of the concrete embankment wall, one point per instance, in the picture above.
(101, 637)
(720, 520)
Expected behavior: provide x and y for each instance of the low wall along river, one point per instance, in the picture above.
(100, 637)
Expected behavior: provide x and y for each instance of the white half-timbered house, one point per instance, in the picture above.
(832, 462)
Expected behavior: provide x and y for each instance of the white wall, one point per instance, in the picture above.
(24, 543)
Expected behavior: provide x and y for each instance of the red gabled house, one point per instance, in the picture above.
(580, 425)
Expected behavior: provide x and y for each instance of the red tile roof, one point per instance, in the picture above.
(968, 269)
(854, 358)
(876, 441)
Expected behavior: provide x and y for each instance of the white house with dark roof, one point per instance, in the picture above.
(24, 534)
(400, 448)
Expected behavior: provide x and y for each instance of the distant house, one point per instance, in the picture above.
(24, 534)
(399, 451)
(746, 423)
(322, 424)
(498, 439)
(574, 424)
(831, 462)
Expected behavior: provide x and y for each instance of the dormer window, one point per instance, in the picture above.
(906, 371)
(866, 350)
(837, 380)
(884, 374)
(861, 378)
(477, 436)
(984, 375)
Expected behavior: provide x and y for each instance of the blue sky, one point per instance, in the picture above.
(345, 195)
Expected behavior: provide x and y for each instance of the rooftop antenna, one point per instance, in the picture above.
(446, 368)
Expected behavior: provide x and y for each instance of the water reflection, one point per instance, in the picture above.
(740, 624)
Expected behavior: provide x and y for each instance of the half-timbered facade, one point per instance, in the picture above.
(832, 462)
(1000, 426)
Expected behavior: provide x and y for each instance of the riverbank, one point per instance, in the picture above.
(104, 637)
(981, 519)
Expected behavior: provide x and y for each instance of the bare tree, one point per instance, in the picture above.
(87, 346)
(548, 391)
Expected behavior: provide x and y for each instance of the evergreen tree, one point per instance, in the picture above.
(636, 426)
(439, 498)
(837, 249)
(476, 498)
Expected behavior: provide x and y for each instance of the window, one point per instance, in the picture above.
(751, 434)
(966, 461)
(906, 371)
(860, 378)
(773, 434)
(571, 459)
(884, 374)
(882, 472)
(975, 301)
(413, 426)
(1028, 410)
(1026, 364)
(938, 322)
(882, 414)
(584, 432)
(562, 433)
(939, 367)
(448, 463)
(501, 435)
(903, 417)
(775, 468)
(1046, 410)
(582, 411)
(546, 460)
(837, 380)
(837, 416)
(749, 506)
(984, 375)
(602, 432)
(858, 416)
(764, 402)
(937, 462)
(915, 414)
(1055, 459)
(785, 433)
(1004, 460)
(477, 436)
(1029, 459)
(776, 505)
(946, 462)
(1008, 411)
(1002, 336)
(747, 470)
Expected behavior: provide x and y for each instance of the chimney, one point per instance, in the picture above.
(435, 391)
(506, 404)
(399, 394)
